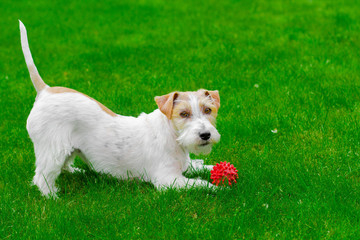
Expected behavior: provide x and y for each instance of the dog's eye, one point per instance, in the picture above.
(184, 114)
(207, 110)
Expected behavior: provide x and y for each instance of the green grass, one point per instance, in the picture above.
(301, 182)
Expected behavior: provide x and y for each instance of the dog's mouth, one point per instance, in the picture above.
(204, 144)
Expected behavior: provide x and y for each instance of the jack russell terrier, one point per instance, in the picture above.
(154, 147)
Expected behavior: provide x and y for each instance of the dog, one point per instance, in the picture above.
(154, 147)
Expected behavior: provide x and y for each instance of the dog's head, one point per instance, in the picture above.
(193, 116)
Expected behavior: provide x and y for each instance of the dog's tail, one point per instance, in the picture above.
(39, 84)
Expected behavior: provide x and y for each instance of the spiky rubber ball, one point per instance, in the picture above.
(224, 174)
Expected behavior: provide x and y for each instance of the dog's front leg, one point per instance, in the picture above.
(195, 165)
(179, 181)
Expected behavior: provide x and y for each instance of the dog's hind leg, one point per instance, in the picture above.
(48, 167)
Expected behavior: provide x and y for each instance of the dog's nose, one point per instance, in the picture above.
(205, 135)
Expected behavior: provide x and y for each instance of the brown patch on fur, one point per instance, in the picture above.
(69, 90)
(39, 84)
(174, 103)
(208, 102)
(182, 104)
(166, 103)
(214, 96)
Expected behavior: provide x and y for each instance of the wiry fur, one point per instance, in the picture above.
(154, 147)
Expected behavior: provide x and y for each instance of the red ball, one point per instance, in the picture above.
(224, 171)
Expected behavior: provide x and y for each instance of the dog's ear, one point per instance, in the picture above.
(166, 103)
(215, 97)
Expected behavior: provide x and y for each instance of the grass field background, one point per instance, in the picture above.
(290, 66)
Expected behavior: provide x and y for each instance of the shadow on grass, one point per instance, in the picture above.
(88, 181)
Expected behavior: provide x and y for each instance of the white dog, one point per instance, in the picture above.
(64, 123)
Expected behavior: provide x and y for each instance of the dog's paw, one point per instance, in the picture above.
(72, 169)
(198, 164)
(52, 196)
(209, 167)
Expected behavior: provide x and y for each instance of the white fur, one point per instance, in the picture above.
(69, 124)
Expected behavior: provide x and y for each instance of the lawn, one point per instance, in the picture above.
(288, 73)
